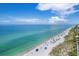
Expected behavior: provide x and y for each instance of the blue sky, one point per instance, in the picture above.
(34, 13)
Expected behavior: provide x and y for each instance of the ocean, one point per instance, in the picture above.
(15, 39)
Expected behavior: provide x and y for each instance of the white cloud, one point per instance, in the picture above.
(56, 19)
(61, 8)
(26, 21)
(23, 21)
(52, 20)
(30, 21)
(4, 21)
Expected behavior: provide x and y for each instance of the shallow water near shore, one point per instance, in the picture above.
(15, 39)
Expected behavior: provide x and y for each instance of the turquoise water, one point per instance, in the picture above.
(15, 39)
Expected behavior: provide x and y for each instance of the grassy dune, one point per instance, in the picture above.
(68, 47)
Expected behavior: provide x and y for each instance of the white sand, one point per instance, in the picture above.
(52, 42)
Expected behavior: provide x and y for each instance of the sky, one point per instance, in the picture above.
(39, 13)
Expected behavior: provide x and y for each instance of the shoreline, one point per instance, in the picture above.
(45, 48)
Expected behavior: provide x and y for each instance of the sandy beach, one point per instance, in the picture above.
(45, 48)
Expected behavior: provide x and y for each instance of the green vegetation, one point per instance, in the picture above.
(68, 47)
